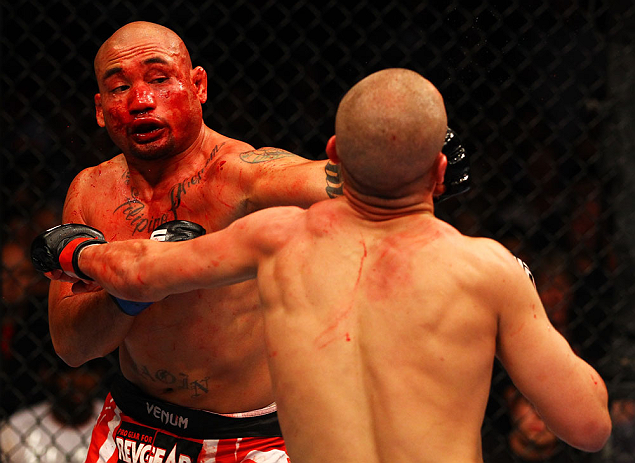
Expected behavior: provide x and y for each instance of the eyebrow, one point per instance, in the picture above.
(112, 72)
(155, 60)
(117, 69)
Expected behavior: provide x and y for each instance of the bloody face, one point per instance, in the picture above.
(149, 100)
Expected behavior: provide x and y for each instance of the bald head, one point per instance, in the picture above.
(141, 35)
(390, 128)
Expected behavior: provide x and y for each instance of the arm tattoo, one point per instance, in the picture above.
(264, 155)
(333, 180)
(526, 269)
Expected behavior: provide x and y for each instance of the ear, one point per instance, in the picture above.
(99, 112)
(199, 79)
(438, 174)
(331, 150)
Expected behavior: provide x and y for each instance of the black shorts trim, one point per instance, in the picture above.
(188, 422)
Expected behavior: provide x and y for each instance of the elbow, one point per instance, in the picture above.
(594, 425)
(593, 435)
(69, 353)
(599, 429)
(69, 357)
(601, 434)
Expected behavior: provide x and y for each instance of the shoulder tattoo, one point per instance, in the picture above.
(525, 267)
(333, 180)
(264, 155)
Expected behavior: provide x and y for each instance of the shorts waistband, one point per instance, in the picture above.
(188, 422)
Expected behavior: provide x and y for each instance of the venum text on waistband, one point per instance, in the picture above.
(166, 417)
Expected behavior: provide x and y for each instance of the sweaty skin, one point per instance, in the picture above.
(382, 322)
(203, 349)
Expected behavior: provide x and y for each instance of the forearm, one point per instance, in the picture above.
(148, 271)
(592, 436)
(295, 183)
(134, 270)
(323, 181)
(584, 398)
(84, 326)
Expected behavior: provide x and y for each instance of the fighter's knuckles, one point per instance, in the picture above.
(58, 249)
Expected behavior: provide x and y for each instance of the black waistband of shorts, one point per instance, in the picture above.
(188, 422)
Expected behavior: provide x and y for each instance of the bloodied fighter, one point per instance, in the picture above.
(381, 321)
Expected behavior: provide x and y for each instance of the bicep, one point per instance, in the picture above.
(71, 213)
(234, 254)
(228, 256)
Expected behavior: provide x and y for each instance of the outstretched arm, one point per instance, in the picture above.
(145, 270)
(275, 177)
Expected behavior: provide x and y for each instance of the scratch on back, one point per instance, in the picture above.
(329, 334)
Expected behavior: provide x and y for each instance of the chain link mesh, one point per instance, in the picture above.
(540, 92)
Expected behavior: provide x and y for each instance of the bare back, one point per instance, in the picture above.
(382, 318)
(381, 322)
(380, 334)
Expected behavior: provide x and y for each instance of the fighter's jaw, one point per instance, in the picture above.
(156, 143)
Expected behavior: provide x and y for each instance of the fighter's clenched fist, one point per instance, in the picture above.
(58, 248)
(457, 174)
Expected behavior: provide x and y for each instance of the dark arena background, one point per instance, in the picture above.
(540, 92)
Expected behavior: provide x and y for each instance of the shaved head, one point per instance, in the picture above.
(145, 70)
(390, 128)
(141, 34)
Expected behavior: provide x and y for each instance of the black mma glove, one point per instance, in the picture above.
(457, 174)
(58, 248)
(176, 230)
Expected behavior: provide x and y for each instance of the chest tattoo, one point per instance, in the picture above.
(134, 211)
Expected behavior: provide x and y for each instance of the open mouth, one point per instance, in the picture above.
(144, 131)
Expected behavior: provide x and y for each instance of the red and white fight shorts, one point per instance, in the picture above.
(136, 428)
